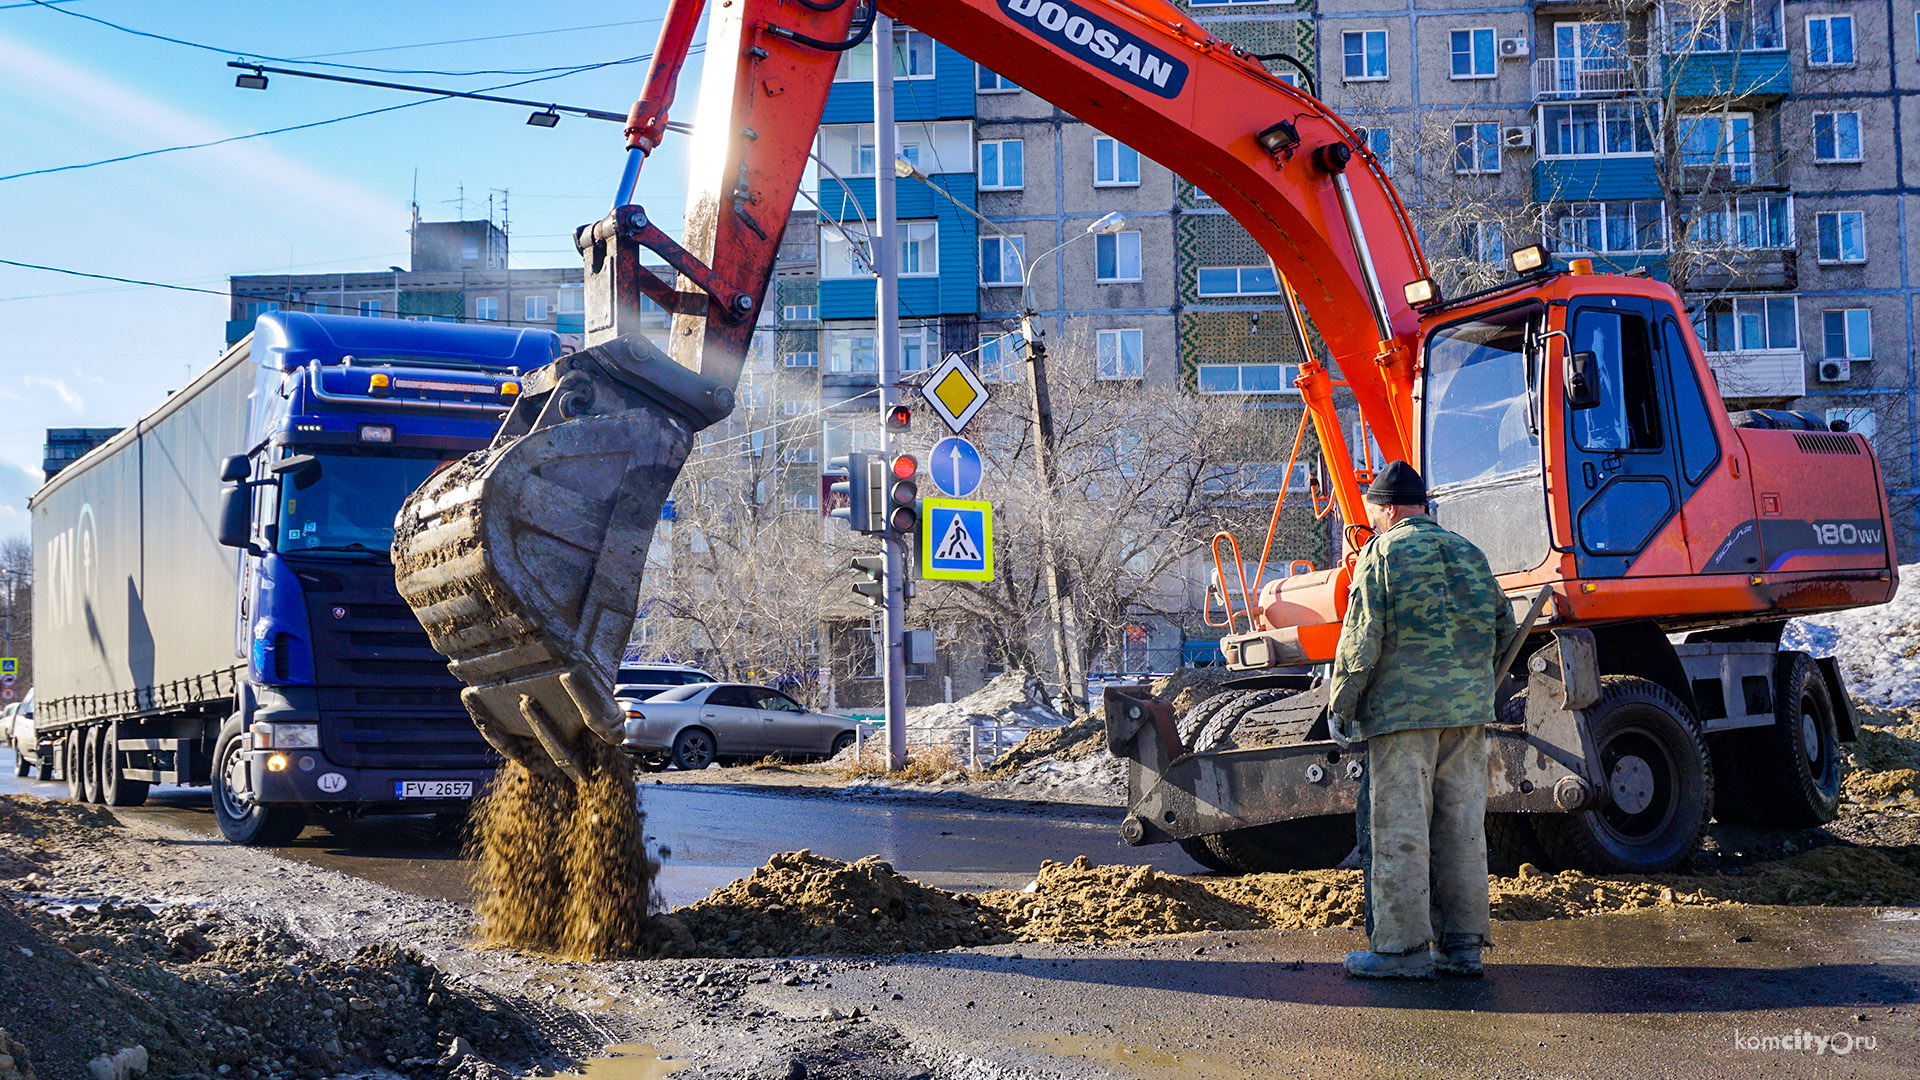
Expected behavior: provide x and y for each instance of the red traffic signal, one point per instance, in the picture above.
(905, 467)
(899, 418)
(903, 499)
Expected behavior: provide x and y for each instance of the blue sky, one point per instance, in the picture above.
(79, 353)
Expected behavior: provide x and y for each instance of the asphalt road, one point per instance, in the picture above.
(716, 834)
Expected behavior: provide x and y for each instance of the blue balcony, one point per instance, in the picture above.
(954, 290)
(1589, 179)
(1748, 74)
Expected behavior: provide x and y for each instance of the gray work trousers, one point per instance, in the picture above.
(1424, 838)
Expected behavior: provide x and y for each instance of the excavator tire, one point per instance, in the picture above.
(1793, 764)
(1659, 775)
(1306, 844)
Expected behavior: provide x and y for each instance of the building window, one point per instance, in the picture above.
(799, 313)
(988, 81)
(1718, 141)
(1829, 41)
(998, 353)
(808, 502)
(1724, 26)
(1476, 148)
(370, 309)
(261, 307)
(850, 350)
(1843, 236)
(1483, 241)
(1605, 129)
(801, 360)
(1117, 257)
(1735, 324)
(1001, 259)
(1836, 136)
(1608, 228)
(1748, 223)
(1365, 54)
(1115, 164)
(1378, 141)
(1859, 421)
(793, 408)
(487, 308)
(1246, 378)
(919, 248)
(1237, 281)
(802, 455)
(469, 248)
(572, 300)
(1474, 54)
(1119, 354)
(1848, 333)
(841, 257)
(919, 346)
(1002, 165)
(912, 58)
(318, 307)
(536, 309)
(1254, 478)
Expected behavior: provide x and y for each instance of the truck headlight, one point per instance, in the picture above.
(286, 736)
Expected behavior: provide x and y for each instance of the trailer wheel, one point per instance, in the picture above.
(241, 819)
(1794, 764)
(1659, 777)
(71, 751)
(90, 765)
(115, 788)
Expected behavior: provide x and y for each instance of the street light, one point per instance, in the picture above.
(1065, 624)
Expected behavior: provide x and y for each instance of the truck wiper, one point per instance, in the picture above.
(354, 546)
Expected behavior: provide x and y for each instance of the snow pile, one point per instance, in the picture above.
(1878, 648)
(1002, 712)
(1098, 778)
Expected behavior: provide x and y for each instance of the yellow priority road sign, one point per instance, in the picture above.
(954, 392)
(956, 540)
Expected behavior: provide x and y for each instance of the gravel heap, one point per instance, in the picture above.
(1886, 760)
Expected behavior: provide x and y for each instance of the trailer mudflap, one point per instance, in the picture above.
(1547, 764)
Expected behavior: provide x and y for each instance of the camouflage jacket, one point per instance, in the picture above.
(1425, 623)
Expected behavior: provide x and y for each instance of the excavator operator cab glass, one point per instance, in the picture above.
(1481, 434)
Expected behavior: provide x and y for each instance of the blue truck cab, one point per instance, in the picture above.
(343, 704)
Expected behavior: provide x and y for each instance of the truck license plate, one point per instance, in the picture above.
(433, 789)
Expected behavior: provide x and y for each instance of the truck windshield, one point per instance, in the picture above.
(349, 502)
(1482, 448)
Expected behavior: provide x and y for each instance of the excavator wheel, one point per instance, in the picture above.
(1305, 844)
(1793, 764)
(1659, 776)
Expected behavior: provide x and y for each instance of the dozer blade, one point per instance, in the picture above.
(523, 561)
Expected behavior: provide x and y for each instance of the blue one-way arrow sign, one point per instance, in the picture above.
(955, 467)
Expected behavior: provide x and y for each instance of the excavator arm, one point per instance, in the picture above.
(524, 562)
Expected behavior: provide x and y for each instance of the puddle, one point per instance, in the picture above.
(1157, 1062)
(626, 1061)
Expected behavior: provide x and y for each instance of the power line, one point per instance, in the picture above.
(202, 46)
(440, 96)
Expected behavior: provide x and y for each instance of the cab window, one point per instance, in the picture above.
(1622, 372)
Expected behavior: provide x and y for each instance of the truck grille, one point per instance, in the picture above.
(386, 697)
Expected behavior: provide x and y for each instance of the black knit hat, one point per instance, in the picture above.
(1399, 484)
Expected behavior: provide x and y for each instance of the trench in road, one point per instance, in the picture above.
(715, 835)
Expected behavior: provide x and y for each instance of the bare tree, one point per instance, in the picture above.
(16, 605)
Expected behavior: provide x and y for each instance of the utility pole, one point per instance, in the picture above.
(886, 263)
(1065, 625)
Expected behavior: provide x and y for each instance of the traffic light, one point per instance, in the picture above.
(865, 489)
(873, 590)
(902, 503)
(899, 418)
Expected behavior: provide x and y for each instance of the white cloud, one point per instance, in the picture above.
(67, 395)
(249, 168)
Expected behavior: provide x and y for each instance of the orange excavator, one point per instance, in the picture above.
(1566, 422)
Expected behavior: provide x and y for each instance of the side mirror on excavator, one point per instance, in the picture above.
(1582, 391)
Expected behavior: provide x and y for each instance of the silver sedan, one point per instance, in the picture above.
(694, 726)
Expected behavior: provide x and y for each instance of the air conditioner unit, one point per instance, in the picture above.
(1518, 138)
(1514, 48)
(1835, 371)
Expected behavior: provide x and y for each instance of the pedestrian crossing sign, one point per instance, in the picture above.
(956, 540)
(9, 665)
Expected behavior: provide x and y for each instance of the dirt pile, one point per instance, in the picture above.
(1886, 760)
(194, 995)
(561, 867)
(1079, 901)
(802, 903)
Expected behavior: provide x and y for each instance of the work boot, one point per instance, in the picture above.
(1367, 964)
(1459, 958)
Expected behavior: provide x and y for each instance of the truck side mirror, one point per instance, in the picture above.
(234, 469)
(1581, 391)
(236, 517)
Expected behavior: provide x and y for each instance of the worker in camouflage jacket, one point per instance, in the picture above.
(1426, 622)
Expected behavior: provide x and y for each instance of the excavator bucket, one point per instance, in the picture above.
(523, 561)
